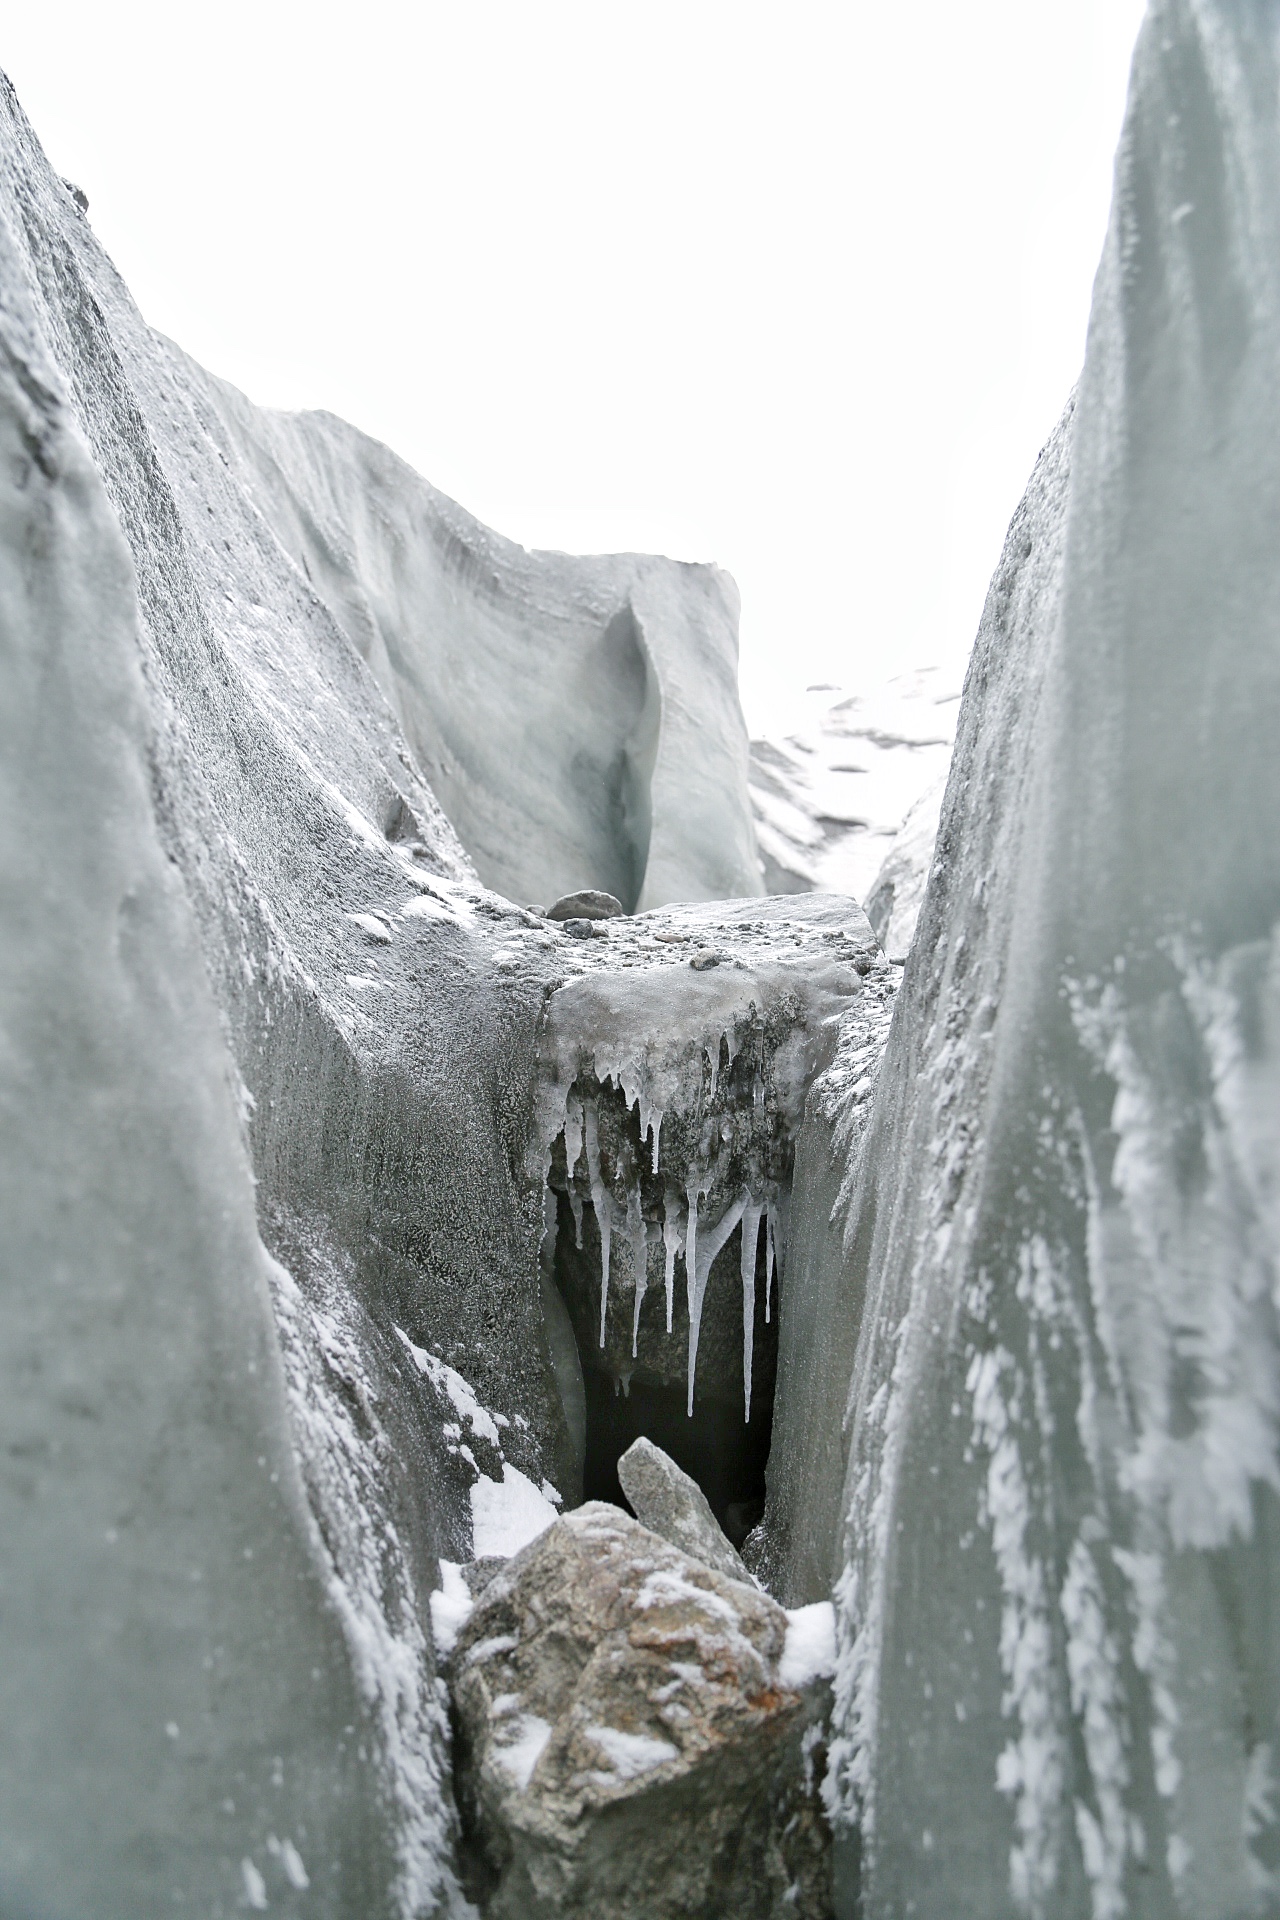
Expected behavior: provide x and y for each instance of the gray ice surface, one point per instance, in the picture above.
(1045, 1305)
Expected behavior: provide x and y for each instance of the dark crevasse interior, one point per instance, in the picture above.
(629, 1396)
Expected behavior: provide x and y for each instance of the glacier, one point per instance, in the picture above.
(361, 1216)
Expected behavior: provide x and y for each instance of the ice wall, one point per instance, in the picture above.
(251, 968)
(181, 1714)
(1056, 1541)
(347, 986)
(577, 718)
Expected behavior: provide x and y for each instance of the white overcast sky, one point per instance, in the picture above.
(799, 289)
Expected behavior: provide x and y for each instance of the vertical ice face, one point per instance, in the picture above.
(635, 781)
(751, 1213)
(1057, 1543)
(671, 1211)
(177, 1692)
(639, 1260)
(602, 1201)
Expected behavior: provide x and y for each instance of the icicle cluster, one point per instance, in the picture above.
(687, 1234)
(676, 1062)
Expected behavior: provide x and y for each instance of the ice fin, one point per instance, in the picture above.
(671, 1245)
(771, 1258)
(639, 1259)
(573, 1124)
(750, 1245)
(574, 1136)
(699, 1269)
(601, 1201)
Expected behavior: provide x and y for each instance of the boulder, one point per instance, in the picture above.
(588, 904)
(671, 1504)
(638, 1735)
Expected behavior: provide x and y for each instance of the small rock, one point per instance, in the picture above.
(707, 957)
(373, 928)
(585, 929)
(672, 939)
(630, 1744)
(590, 904)
(669, 1503)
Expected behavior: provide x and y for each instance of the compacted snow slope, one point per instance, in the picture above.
(846, 798)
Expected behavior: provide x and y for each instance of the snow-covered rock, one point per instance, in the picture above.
(639, 1735)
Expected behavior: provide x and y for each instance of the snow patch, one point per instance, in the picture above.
(507, 1514)
(631, 1754)
(520, 1754)
(451, 1606)
(809, 1651)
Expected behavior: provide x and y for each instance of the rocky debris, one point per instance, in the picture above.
(672, 1504)
(706, 958)
(585, 929)
(639, 1736)
(588, 904)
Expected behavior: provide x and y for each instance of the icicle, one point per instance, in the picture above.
(639, 1259)
(573, 1136)
(655, 1127)
(671, 1245)
(699, 1268)
(775, 1239)
(602, 1203)
(750, 1246)
(575, 1201)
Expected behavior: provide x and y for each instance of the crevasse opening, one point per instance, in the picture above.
(663, 1233)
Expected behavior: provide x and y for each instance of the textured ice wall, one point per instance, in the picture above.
(383, 1073)
(1058, 1533)
(577, 718)
(181, 1715)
